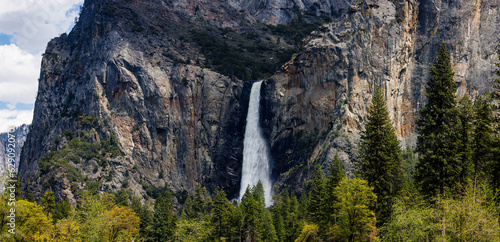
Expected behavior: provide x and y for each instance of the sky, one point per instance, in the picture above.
(26, 26)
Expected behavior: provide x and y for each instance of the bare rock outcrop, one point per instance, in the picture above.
(316, 106)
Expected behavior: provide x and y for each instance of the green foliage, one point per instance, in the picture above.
(410, 162)
(48, 202)
(310, 232)
(356, 219)
(380, 158)
(164, 219)
(145, 216)
(202, 202)
(241, 58)
(482, 136)
(62, 162)
(220, 209)
(285, 212)
(317, 207)
(193, 230)
(468, 218)
(439, 168)
(335, 177)
(122, 198)
(494, 166)
(411, 223)
(63, 209)
(257, 220)
(464, 144)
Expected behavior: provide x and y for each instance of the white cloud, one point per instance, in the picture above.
(33, 23)
(19, 71)
(14, 118)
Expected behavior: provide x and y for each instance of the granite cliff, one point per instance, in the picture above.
(20, 134)
(317, 104)
(164, 85)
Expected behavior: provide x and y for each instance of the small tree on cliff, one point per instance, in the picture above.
(438, 168)
(380, 156)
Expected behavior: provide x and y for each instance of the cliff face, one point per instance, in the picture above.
(125, 63)
(323, 95)
(19, 137)
(167, 83)
(283, 11)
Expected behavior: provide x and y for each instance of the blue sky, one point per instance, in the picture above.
(25, 28)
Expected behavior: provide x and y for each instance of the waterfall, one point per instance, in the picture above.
(255, 151)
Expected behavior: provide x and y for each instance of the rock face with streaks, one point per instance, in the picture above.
(283, 11)
(18, 136)
(153, 75)
(317, 105)
(125, 64)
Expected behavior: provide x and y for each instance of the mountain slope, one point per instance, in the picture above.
(146, 94)
(317, 105)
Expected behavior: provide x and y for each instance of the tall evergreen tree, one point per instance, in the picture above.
(280, 212)
(201, 201)
(257, 221)
(292, 218)
(145, 215)
(380, 157)
(464, 133)
(494, 166)
(438, 167)
(335, 176)
(121, 198)
(219, 212)
(48, 202)
(164, 219)
(317, 199)
(482, 135)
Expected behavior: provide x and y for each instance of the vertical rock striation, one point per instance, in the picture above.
(153, 74)
(20, 134)
(283, 11)
(317, 105)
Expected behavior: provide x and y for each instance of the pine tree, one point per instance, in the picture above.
(380, 157)
(219, 211)
(145, 215)
(257, 221)
(164, 219)
(464, 132)
(48, 202)
(494, 166)
(303, 205)
(280, 212)
(336, 175)
(292, 220)
(438, 168)
(482, 135)
(201, 201)
(317, 199)
(122, 198)
(235, 221)
(63, 209)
